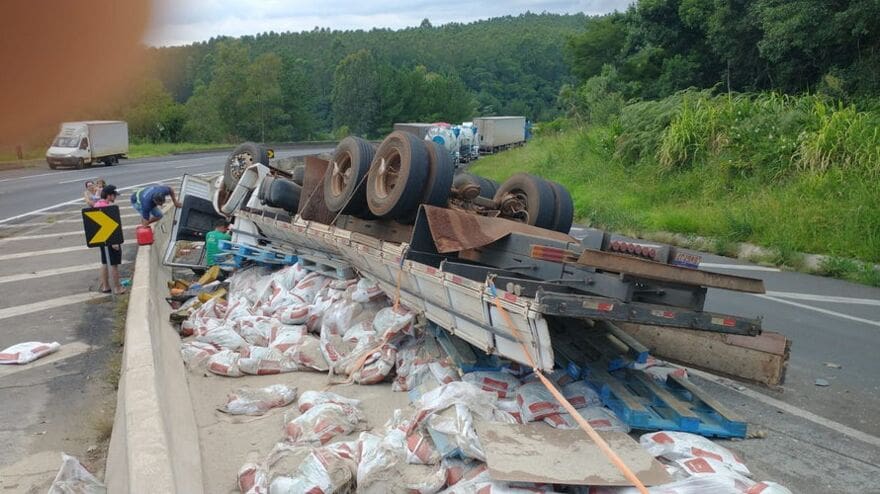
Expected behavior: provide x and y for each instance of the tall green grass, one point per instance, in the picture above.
(796, 173)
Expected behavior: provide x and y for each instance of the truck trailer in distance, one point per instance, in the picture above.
(499, 133)
(81, 144)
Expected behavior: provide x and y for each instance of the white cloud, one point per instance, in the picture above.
(178, 22)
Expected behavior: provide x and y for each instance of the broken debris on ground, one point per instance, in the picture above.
(262, 322)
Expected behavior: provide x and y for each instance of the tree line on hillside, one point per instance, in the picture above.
(320, 83)
(659, 47)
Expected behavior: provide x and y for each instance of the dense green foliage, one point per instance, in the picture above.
(310, 85)
(661, 46)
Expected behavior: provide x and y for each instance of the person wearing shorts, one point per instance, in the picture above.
(148, 202)
(109, 275)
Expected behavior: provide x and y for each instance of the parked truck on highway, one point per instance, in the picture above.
(499, 133)
(81, 144)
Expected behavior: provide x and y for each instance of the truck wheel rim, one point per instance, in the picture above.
(389, 171)
(240, 162)
(341, 175)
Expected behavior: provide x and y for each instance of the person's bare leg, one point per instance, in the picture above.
(114, 277)
(103, 278)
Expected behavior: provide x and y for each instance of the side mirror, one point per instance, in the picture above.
(84, 144)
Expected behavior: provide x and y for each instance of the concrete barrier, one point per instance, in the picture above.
(155, 444)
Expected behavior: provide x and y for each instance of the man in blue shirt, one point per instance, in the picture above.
(149, 200)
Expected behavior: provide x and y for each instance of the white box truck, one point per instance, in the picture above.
(81, 144)
(498, 133)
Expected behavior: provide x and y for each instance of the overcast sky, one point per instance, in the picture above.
(179, 22)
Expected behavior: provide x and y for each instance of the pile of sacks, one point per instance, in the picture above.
(432, 447)
(293, 320)
(428, 448)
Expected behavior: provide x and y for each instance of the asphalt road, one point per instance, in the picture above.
(49, 292)
(28, 190)
(822, 439)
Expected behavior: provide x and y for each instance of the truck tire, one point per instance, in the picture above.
(537, 196)
(397, 176)
(80, 164)
(243, 156)
(298, 174)
(440, 172)
(344, 184)
(487, 188)
(563, 213)
(52, 166)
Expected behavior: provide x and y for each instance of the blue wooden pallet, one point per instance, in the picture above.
(238, 255)
(677, 405)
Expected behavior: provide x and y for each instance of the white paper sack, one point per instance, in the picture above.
(223, 337)
(536, 402)
(323, 471)
(768, 488)
(321, 423)
(225, 363)
(253, 479)
(599, 418)
(246, 401)
(682, 445)
(196, 353)
(262, 361)
(27, 352)
(501, 383)
(580, 394)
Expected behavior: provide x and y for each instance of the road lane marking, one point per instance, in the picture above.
(38, 175)
(52, 272)
(53, 235)
(823, 311)
(73, 201)
(56, 222)
(825, 298)
(192, 165)
(21, 310)
(791, 409)
(66, 351)
(744, 267)
(23, 255)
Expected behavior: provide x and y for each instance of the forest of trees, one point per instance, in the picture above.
(658, 47)
(321, 83)
(316, 84)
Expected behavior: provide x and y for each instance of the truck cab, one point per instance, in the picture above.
(70, 148)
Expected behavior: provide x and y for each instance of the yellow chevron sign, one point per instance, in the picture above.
(102, 226)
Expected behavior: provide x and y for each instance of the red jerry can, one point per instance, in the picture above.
(144, 235)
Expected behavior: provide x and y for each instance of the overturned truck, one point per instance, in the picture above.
(462, 249)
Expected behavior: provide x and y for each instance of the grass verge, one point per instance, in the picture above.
(165, 148)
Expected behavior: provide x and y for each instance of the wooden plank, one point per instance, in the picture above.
(680, 407)
(705, 398)
(712, 352)
(618, 389)
(617, 263)
(536, 452)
